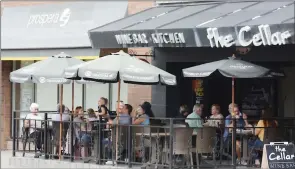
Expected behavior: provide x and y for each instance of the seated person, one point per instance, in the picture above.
(33, 121)
(216, 119)
(143, 114)
(81, 126)
(124, 117)
(194, 119)
(183, 113)
(257, 143)
(57, 118)
(242, 123)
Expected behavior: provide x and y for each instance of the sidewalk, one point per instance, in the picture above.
(7, 161)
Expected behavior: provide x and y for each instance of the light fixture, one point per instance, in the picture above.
(243, 50)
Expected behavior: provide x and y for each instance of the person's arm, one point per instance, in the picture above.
(139, 120)
(199, 123)
(258, 128)
(219, 121)
(227, 121)
(27, 121)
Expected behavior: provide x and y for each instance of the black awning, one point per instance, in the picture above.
(188, 25)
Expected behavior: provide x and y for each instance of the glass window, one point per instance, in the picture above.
(93, 92)
(23, 94)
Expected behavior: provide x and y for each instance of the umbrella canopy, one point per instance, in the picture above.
(112, 68)
(49, 70)
(231, 67)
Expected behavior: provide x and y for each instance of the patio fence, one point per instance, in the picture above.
(167, 142)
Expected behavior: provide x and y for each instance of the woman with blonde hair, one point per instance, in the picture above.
(216, 118)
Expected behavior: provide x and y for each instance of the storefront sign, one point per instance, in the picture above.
(156, 38)
(278, 155)
(61, 18)
(263, 37)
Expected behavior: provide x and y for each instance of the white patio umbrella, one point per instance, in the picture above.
(119, 67)
(50, 70)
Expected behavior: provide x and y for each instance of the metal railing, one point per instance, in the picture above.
(169, 143)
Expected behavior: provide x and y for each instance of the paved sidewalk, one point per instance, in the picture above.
(7, 161)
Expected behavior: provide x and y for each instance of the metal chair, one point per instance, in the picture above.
(26, 138)
(56, 134)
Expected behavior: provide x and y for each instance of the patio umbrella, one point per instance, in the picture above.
(49, 70)
(120, 66)
(233, 68)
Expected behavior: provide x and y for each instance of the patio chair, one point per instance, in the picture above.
(182, 145)
(56, 134)
(142, 142)
(270, 135)
(205, 143)
(26, 139)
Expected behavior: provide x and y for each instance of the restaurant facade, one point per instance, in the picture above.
(32, 31)
(184, 35)
(181, 35)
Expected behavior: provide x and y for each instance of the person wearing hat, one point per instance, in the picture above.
(143, 114)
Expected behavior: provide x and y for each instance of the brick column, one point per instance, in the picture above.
(6, 68)
(139, 93)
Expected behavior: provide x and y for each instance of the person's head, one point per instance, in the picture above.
(34, 108)
(91, 113)
(63, 107)
(233, 109)
(102, 101)
(183, 110)
(78, 111)
(127, 109)
(121, 106)
(215, 109)
(146, 108)
(67, 110)
(198, 109)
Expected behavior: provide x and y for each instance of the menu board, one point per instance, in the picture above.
(278, 156)
(256, 96)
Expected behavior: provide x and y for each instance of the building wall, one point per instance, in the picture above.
(136, 93)
(6, 68)
(139, 93)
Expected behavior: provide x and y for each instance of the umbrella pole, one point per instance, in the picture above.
(60, 123)
(117, 127)
(234, 121)
(71, 121)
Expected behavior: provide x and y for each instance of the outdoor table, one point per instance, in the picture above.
(245, 134)
(158, 138)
